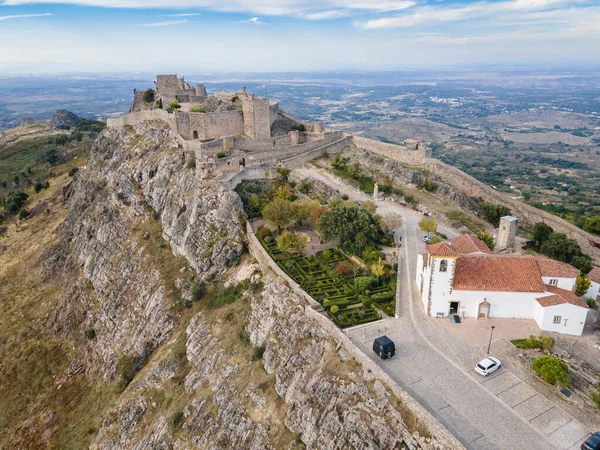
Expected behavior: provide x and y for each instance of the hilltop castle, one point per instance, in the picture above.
(229, 132)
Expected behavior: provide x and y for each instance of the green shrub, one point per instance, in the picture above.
(337, 302)
(363, 283)
(24, 214)
(149, 95)
(596, 397)
(197, 110)
(191, 164)
(73, 171)
(429, 185)
(334, 309)
(176, 418)
(299, 127)
(90, 334)
(257, 353)
(269, 239)
(198, 290)
(593, 304)
(541, 342)
(552, 370)
(126, 369)
(366, 301)
(222, 155)
(383, 297)
(345, 197)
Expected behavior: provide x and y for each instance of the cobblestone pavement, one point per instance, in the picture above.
(436, 368)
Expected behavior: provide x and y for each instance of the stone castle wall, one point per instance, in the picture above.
(442, 439)
(395, 152)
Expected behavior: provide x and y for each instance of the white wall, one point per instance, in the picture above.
(516, 305)
(572, 322)
(593, 291)
(441, 286)
(563, 283)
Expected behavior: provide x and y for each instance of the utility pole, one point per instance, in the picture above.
(490, 343)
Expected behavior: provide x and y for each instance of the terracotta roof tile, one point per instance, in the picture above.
(497, 273)
(468, 243)
(594, 275)
(441, 250)
(550, 300)
(567, 297)
(552, 268)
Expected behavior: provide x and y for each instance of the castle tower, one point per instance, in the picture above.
(506, 232)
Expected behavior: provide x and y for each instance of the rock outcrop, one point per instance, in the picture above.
(63, 119)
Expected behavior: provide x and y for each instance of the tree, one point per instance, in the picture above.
(390, 222)
(334, 309)
(492, 212)
(284, 174)
(303, 209)
(487, 238)
(174, 104)
(592, 224)
(354, 227)
(279, 212)
(291, 242)
(552, 370)
(560, 247)
(378, 269)
(316, 213)
(282, 192)
(149, 95)
(583, 262)
(428, 224)
(582, 284)
(541, 233)
(369, 205)
(343, 268)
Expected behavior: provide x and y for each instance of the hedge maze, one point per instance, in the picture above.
(352, 302)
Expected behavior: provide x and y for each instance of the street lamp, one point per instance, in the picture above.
(490, 343)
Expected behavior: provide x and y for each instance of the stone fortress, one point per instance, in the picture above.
(240, 136)
(229, 132)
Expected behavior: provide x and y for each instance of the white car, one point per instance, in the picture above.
(426, 239)
(487, 365)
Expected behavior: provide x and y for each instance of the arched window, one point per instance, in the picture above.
(195, 135)
(443, 265)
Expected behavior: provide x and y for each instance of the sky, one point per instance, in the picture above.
(295, 35)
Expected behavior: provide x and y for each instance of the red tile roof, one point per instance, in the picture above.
(468, 243)
(551, 268)
(594, 275)
(441, 250)
(550, 300)
(497, 273)
(563, 295)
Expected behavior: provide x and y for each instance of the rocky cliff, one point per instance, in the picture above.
(171, 357)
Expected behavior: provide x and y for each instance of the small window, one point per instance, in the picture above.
(504, 227)
(553, 282)
(557, 319)
(443, 265)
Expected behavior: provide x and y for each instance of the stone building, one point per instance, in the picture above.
(507, 232)
(463, 277)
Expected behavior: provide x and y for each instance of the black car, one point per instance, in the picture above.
(593, 442)
(384, 347)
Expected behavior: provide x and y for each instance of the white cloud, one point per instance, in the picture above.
(183, 15)
(429, 15)
(328, 15)
(253, 21)
(164, 24)
(264, 7)
(24, 16)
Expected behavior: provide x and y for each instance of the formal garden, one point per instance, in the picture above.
(332, 249)
(348, 292)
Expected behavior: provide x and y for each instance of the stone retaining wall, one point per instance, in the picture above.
(441, 436)
(332, 148)
(396, 152)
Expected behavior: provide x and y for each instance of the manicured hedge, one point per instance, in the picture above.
(316, 274)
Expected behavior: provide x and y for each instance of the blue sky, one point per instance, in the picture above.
(279, 35)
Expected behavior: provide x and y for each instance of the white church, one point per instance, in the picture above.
(463, 277)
